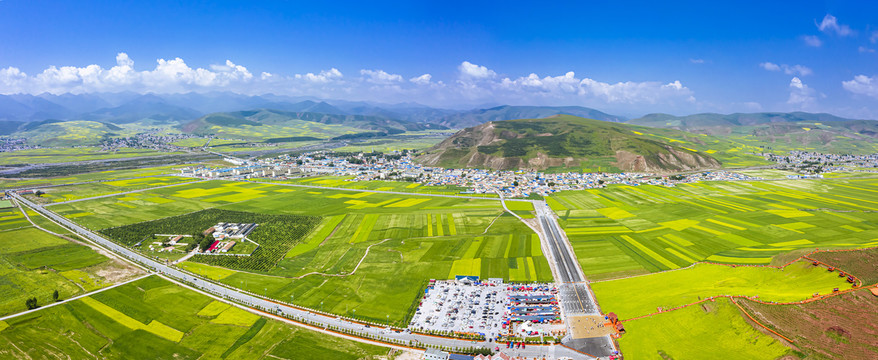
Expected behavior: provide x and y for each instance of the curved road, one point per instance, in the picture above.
(253, 300)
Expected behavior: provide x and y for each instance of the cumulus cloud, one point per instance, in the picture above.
(863, 85)
(474, 84)
(801, 97)
(469, 70)
(697, 61)
(830, 24)
(324, 76)
(12, 77)
(863, 49)
(874, 38)
(421, 80)
(799, 70)
(380, 77)
(812, 40)
(168, 76)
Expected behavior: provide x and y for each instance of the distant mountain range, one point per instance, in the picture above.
(708, 120)
(273, 116)
(507, 112)
(122, 108)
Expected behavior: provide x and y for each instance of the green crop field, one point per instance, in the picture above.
(716, 330)
(410, 239)
(34, 263)
(93, 176)
(66, 154)
(643, 295)
(626, 230)
(378, 185)
(153, 318)
(82, 191)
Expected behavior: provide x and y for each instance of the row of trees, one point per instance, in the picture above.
(32, 302)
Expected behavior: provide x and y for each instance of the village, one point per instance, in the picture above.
(400, 167)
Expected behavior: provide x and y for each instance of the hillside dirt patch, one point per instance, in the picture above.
(861, 263)
(839, 327)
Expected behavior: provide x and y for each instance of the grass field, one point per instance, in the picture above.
(716, 330)
(643, 295)
(626, 230)
(155, 319)
(420, 238)
(34, 263)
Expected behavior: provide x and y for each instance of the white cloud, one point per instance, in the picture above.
(324, 76)
(863, 49)
(874, 38)
(697, 61)
(380, 77)
(12, 78)
(812, 40)
(830, 24)
(475, 84)
(469, 70)
(799, 70)
(863, 85)
(587, 90)
(421, 80)
(770, 66)
(801, 97)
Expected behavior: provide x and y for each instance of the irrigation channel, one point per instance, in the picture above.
(399, 338)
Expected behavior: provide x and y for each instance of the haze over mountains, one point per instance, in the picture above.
(128, 107)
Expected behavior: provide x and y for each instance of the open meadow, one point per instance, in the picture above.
(369, 256)
(156, 319)
(628, 230)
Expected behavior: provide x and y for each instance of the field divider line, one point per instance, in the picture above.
(343, 275)
(87, 182)
(123, 193)
(74, 298)
(372, 191)
(759, 323)
(86, 242)
(781, 267)
(288, 320)
(750, 298)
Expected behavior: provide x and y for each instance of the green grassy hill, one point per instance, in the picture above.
(779, 132)
(564, 142)
(265, 123)
(66, 133)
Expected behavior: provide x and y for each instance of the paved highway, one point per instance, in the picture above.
(296, 313)
(576, 297)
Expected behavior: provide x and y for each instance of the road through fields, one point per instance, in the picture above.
(299, 314)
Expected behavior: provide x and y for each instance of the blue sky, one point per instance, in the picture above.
(628, 58)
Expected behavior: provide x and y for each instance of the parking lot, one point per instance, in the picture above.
(484, 307)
